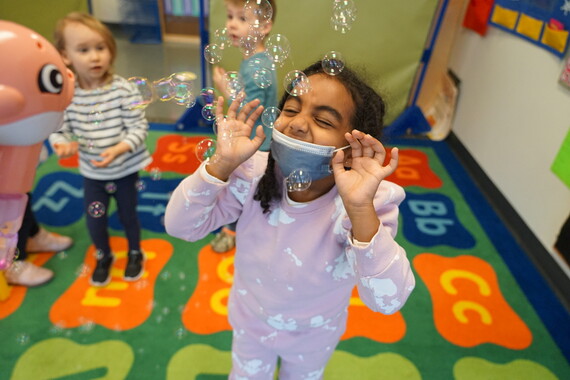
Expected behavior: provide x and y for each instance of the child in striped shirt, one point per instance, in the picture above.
(104, 125)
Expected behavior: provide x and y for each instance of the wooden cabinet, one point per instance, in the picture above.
(179, 19)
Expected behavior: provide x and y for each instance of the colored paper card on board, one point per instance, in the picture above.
(561, 164)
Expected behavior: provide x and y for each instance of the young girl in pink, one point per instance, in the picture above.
(299, 254)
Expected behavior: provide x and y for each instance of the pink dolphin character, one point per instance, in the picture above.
(35, 89)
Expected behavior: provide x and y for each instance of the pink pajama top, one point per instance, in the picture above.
(296, 266)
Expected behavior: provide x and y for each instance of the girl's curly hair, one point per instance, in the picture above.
(368, 117)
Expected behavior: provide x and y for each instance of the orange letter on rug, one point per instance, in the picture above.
(120, 305)
(468, 306)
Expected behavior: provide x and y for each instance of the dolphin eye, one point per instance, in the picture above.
(50, 79)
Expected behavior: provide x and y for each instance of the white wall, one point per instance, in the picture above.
(512, 117)
(107, 10)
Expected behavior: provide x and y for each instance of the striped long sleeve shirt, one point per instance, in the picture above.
(101, 118)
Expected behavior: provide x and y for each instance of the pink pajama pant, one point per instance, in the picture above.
(256, 346)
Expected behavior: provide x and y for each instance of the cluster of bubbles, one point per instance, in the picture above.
(277, 50)
(177, 87)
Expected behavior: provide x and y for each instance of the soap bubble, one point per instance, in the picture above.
(269, 116)
(23, 339)
(189, 101)
(164, 89)
(90, 144)
(83, 270)
(333, 63)
(140, 185)
(234, 84)
(207, 96)
(145, 90)
(343, 15)
(298, 180)
(205, 149)
(87, 326)
(155, 174)
(213, 53)
(209, 112)
(183, 83)
(296, 83)
(221, 38)
(262, 71)
(255, 32)
(263, 77)
(258, 12)
(95, 117)
(57, 328)
(340, 27)
(278, 48)
(96, 209)
(248, 44)
(110, 187)
(180, 333)
(346, 9)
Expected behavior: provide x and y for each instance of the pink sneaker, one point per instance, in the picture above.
(45, 241)
(27, 274)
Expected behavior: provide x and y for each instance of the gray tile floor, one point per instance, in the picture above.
(156, 61)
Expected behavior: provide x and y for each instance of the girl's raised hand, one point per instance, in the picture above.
(234, 145)
(358, 185)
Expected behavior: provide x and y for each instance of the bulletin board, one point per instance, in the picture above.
(542, 22)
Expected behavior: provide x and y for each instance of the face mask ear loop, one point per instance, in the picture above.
(334, 151)
(343, 148)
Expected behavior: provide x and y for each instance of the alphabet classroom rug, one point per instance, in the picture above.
(470, 317)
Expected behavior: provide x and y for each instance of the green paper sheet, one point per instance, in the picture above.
(561, 164)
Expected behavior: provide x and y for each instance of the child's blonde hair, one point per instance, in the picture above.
(90, 22)
(242, 2)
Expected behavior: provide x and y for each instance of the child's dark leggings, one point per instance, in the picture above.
(126, 197)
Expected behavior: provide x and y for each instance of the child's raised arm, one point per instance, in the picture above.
(234, 145)
(358, 185)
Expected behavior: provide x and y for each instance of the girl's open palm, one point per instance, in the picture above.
(358, 185)
(234, 145)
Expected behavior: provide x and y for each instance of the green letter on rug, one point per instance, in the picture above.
(58, 357)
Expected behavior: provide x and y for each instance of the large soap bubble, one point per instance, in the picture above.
(270, 116)
(298, 180)
(343, 15)
(207, 96)
(262, 72)
(213, 53)
(296, 83)
(164, 89)
(333, 63)
(96, 209)
(221, 38)
(205, 149)
(209, 112)
(234, 84)
(145, 90)
(183, 83)
(278, 48)
(258, 13)
(248, 44)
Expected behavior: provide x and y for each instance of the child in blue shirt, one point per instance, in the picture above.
(259, 80)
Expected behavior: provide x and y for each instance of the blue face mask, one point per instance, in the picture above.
(291, 154)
